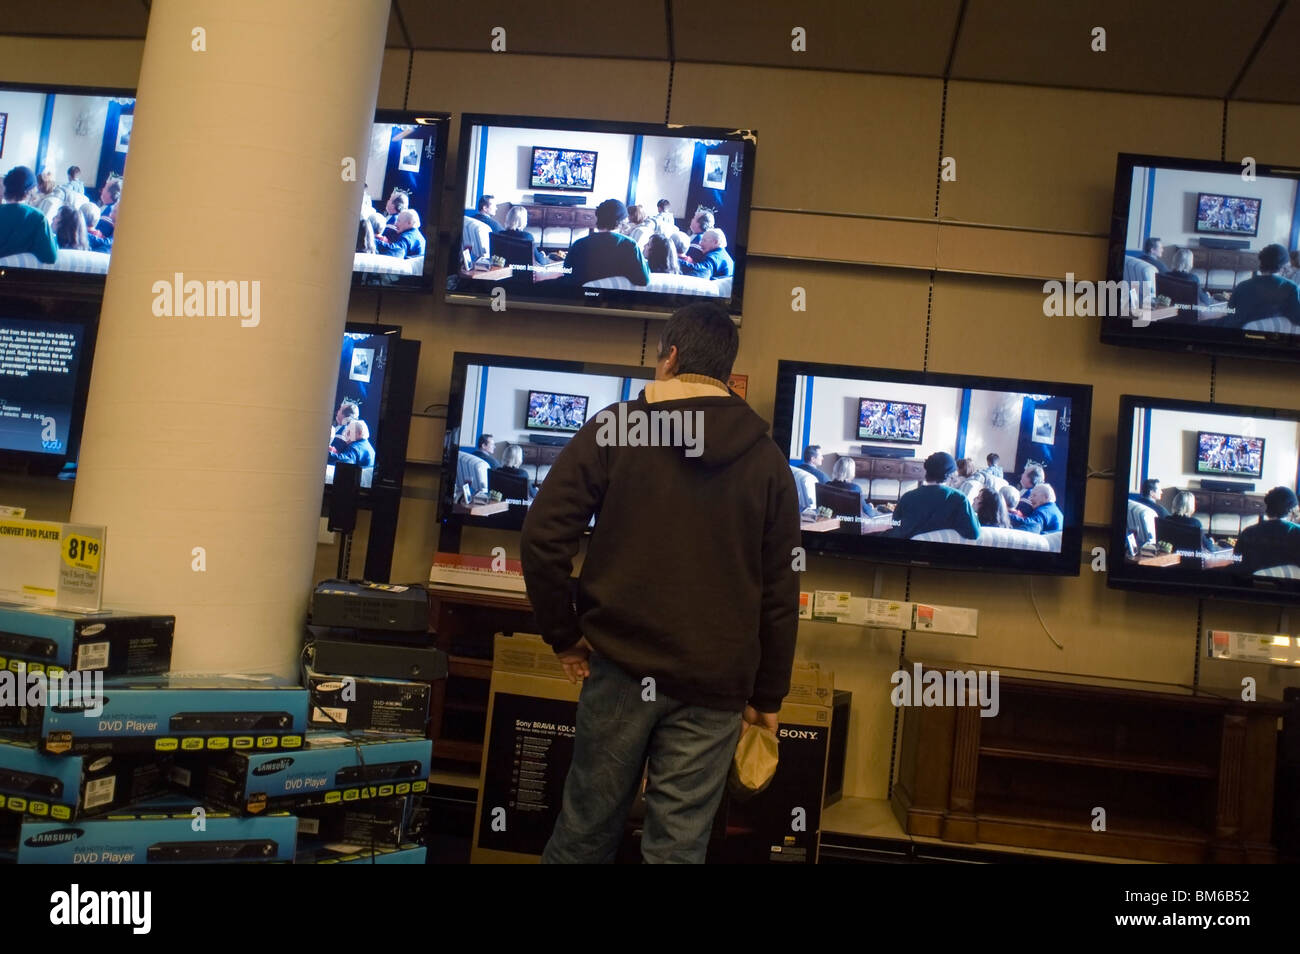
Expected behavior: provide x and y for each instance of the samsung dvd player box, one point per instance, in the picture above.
(532, 715)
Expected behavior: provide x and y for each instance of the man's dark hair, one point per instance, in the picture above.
(706, 219)
(706, 340)
(1150, 244)
(610, 213)
(399, 199)
(74, 171)
(483, 201)
(939, 466)
(1279, 502)
(811, 451)
(664, 205)
(483, 439)
(1036, 474)
(114, 187)
(18, 182)
(1273, 257)
(993, 460)
(1150, 485)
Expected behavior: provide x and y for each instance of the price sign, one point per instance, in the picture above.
(82, 552)
(57, 565)
(80, 577)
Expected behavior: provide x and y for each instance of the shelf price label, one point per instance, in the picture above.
(81, 552)
(81, 578)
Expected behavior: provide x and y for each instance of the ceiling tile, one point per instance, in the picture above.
(1274, 75)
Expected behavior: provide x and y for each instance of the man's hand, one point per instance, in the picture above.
(752, 716)
(574, 660)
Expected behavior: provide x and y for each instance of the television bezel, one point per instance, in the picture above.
(451, 522)
(1120, 574)
(891, 440)
(1246, 198)
(1164, 335)
(85, 314)
(56, 283)
(877, 549)
(563, 430)
(610, 302)
(429, 217)
(594, 153)
(1214, 474)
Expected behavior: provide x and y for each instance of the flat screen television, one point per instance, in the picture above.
(548, 411)
(403, 170)
(526, 243)
(1227, 214)
(893, 422)
(370, 415)
(1229, 455)
(45, 360)
(1221, 540)
(491, 419)
(1038, 431)
(75, 141)
(1223, 225)
(566, 170)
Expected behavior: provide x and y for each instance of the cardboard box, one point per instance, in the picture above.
(158, 837)
(385, 822)
(51, 564)
(177, 713)
(783, 822)
(117, 642)
(371, 606)
(327, 771)
(367, 703)
(65, 788)
(532, 715)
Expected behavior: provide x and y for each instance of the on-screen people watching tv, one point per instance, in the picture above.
(934, 505)
(1044, 516)
(487, 445)
(664, 221)
(366, 237)
(512, 465)
(95, 238)
(109, 196)
(1275, 540)
(1184, 505)
(69, 228)
(714, 260)
(812, 462)
(403, 239)
(842, 475)
(660, 256)
(352, 446)
(1010, 496)
(396, 204)
(605, 253)
(48, 199)
(1152, 251)
(1030, 478)
(516, 227)
(1266, 295)
(994, 465)
(1291, 270)
(700, 223)
(1150, 496)
(1183, 261)
(23, 228)
(638, 226)
(710, 616)
(486, 212)
(991, 509)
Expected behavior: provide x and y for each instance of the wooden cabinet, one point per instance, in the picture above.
(894, 468)
(1177, 774)
(540, 454)
(555, 216)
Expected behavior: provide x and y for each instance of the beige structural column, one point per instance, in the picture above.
(206, 432)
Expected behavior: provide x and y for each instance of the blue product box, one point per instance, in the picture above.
(64, 788)
(179, 713)
(117, 642)
(331, 769)
(321, 853)
(165, 835)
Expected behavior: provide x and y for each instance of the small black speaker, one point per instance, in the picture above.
(575, 200)
(1226, 486)
(900, 452)
(345, 494)
(1238, 245)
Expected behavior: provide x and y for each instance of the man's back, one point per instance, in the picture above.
(934, 507)
(1264, 296)
(1269, 543)
(606, 255)
(24, 229)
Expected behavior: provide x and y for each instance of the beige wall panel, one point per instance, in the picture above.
(1258, 382)
(996, 327)
(1269, 133)
(827, 142)
(1227, 675)
(25, 59)
(1105, 632)
(1032, 157)
(392, 79)
(840, 238)
(1018, 253)
(1274, 73)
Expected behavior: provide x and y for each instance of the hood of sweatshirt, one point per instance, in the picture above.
(716, 428)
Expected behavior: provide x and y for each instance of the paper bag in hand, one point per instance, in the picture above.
(755, 763)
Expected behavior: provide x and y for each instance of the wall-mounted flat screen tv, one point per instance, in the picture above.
(567, 170)
(1227, 214)
(548, 411)
(1229, 455)
(900, 422)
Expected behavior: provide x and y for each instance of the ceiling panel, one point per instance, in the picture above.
(575, 28)
(910, 38)
(1274, 75)
(395, 35)
(97, 18)
(1192, 48)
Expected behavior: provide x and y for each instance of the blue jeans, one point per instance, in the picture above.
(690, 749)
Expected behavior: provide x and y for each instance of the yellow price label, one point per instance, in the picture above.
(82, 552)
